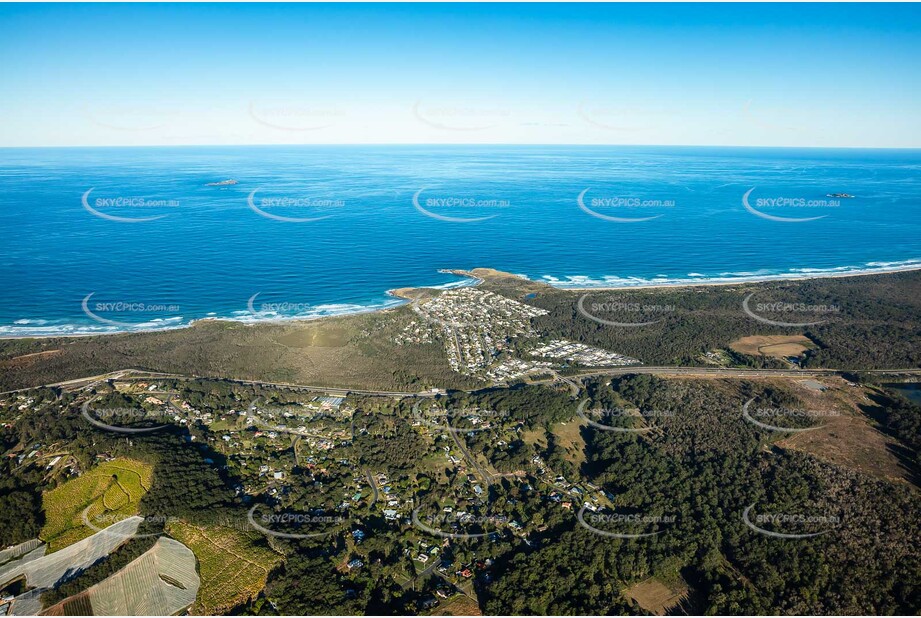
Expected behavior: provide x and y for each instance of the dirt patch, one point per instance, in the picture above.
(36, 354)
(846, 436)
(655, 597)
(460, 605)
(28, 359)
(776, 346)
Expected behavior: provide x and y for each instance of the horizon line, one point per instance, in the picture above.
(459, 144)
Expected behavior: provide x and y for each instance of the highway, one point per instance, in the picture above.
(137, 374)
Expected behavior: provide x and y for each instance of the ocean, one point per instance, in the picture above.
(100, 240)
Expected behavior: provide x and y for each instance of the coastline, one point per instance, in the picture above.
(477, 276)
(754, 279)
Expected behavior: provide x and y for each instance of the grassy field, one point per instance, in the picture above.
(569, 437)
(848, 437)
(112, 491)
(232, 565)
(777, 346)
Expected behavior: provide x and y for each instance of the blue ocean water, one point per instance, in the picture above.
(373, 218)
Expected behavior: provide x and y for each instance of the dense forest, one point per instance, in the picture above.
(703, 467)
(875, 322)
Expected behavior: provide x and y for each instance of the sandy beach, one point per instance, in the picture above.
(477, 277)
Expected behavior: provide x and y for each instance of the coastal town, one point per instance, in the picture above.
(481, 330)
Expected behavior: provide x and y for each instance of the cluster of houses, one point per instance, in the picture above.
(582, 354)
(475, 325)
(416, 332)
(514, 368)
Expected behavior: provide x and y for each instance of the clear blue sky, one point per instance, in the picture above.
(770, 75)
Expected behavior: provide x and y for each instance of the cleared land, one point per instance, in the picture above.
(569, 438)
(776, 346)
(109, 492)
(232, 565)
(847, 438)
(161, 582)
(654, 596)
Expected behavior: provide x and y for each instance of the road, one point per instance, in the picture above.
(487, 477)
(433, 562)
(373, 483)
(137, 374)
